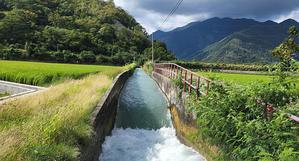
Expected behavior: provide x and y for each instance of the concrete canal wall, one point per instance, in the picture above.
(183, 121)
(103, 119)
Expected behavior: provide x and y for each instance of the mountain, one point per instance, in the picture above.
(227, 40)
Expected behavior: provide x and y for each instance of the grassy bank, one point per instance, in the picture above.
(53, 124)
(43, 74)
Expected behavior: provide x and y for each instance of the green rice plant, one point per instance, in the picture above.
(44, 74)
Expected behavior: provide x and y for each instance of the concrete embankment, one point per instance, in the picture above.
(16, 90)
(103, 119)
(183, 121)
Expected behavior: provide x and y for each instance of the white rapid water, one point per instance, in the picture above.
(146, 145)
(143, 129)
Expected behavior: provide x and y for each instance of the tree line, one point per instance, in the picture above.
(73, 31)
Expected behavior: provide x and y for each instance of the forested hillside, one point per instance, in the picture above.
(227, 40)
(251, 45)
(72, 31)
(195, 36)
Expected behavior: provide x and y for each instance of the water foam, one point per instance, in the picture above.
(146, 145)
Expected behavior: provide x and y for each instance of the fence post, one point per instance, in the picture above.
(177, 72)
(181, 72)
(197, 87)
(191, 81)
(269, 111)
(208, 86)
(185, 80)
(169, 69)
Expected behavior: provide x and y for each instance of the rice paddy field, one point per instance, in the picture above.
(242, 79)
(44, 74)
(53, 124)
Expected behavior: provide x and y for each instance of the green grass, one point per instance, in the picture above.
(242, 79)
(53, 124)
(245, 79)
(4, 94)
(43, 74)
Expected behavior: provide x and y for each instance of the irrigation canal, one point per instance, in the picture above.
(143, 129)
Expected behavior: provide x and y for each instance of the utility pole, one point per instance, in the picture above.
(153, 48)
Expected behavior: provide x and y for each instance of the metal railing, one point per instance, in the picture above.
(194, 82)
(190, 80)
(269, 109)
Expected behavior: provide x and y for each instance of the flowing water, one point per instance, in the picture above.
(143, 129)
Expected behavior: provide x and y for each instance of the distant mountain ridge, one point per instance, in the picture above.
(226, 40)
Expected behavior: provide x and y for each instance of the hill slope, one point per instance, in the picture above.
(252, 45)
(249, 42)
(198, 35)
(73, 31)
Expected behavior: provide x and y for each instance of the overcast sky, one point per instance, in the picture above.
(150, 13)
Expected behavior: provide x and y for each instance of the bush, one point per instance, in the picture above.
(230, 118)
(87, 57)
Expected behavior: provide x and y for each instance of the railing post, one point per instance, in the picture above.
(177, 72)
(191, 81)
(169, 71)
(197, 87)
(269, 111)
(185, 81)
(181, 73)
(208, 86)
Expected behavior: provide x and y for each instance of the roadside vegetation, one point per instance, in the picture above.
(235, 117)
(43, 74)
(52, 125)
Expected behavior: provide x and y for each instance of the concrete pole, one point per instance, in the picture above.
(153, 48)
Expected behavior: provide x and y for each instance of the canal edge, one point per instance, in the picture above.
(103, 118)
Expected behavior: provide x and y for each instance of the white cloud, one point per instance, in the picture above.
(293, 15)
(151, 13)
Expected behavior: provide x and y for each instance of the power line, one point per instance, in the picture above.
(172, 12)
(179, 2)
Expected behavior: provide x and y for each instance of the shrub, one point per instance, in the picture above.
(87, 57)
(230, 118)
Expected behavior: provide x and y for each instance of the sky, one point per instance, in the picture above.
(151, 13)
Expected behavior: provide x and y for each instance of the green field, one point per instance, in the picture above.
(54, 124)
(43, 74)
(241, 79)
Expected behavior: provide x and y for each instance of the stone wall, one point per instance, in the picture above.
(103, 119)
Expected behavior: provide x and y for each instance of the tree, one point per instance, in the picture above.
(17, 26)
(285, 52)
(87, 57)
(160, 52)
